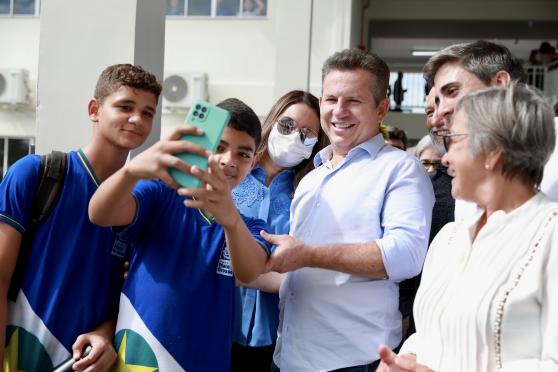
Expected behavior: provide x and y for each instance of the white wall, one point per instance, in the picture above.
(75, 46)
(19, 42)
(256, 60)
(414, 125)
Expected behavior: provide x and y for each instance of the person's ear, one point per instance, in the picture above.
(501, 79)
(383, 109)
(93, 110)
(494, 159)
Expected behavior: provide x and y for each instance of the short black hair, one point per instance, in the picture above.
(397, 134)
(243, 118)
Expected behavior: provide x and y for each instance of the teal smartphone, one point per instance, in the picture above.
(212, 120)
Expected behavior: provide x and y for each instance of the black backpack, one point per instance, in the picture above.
(51, 179)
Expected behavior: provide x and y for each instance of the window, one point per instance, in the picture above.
(13, 149)
(407, 92)
(19, 7)
(216, 8)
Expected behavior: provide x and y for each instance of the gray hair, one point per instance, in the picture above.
(424, 144)
(481, 58)
(356, 59)
(516, 119)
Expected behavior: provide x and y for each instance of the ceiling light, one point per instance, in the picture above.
(423, 53)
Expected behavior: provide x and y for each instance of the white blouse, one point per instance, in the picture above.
(491, 304)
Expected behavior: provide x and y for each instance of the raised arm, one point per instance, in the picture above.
(248, 257)
(113, 204)
(10, 240)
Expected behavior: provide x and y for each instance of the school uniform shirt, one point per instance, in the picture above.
(74, 274)
(257, 312)
(176, 307)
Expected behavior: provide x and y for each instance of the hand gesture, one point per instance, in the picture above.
(290, 254)
(392, 362)
(214, 195)
(102, 354)
(154, 162)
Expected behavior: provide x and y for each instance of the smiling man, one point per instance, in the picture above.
(463, 68)
(359, 225)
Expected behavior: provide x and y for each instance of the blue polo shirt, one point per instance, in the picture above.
(256, 312)
(74, 273)
(177, 301)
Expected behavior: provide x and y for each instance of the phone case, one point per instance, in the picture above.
(212, 120)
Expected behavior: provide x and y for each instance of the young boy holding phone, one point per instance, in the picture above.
(72, 277)
(176, 307)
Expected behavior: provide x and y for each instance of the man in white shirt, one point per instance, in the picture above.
(463, 68)
(359, 225)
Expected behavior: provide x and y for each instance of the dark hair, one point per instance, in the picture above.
(545, 47)
(481, 58)
(356, 59)
(243, 118)
(398, 134)
(287, 100)
(115, 76)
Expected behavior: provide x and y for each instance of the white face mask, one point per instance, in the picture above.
(287, 150)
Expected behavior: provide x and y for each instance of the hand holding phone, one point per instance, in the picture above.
(212, 120)
(66, 366)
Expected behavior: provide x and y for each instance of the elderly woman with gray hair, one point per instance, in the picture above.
(427, 154)
(488, 299)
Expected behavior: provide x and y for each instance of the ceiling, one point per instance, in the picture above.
(394, 40)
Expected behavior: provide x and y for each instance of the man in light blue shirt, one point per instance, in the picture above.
(359, 225)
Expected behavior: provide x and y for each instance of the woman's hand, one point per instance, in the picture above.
(392, 362)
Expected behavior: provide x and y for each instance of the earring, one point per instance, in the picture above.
(487, 166)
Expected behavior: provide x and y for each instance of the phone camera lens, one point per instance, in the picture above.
(202, 116)
(198, 107)
(196, 113)
(204, 109)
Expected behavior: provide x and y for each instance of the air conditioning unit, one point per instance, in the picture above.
(14, 87)
(181, 89)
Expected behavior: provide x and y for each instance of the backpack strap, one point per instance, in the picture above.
(53, 171)
(51, 179)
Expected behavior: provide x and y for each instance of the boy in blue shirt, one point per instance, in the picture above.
(176, 307)
(72, 279)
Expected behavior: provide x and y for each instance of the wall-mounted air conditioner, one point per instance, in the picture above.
(14, 87)
(181, 89)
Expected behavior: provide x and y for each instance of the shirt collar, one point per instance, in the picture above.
(260, 174)
(371, 146)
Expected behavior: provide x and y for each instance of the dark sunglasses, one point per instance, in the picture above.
(287, 125)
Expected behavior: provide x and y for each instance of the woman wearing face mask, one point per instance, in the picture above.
(291, 136)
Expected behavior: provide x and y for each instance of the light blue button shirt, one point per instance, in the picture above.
(257, 312)
(331, 319)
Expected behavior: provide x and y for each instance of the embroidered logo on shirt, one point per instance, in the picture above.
(224, 266)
